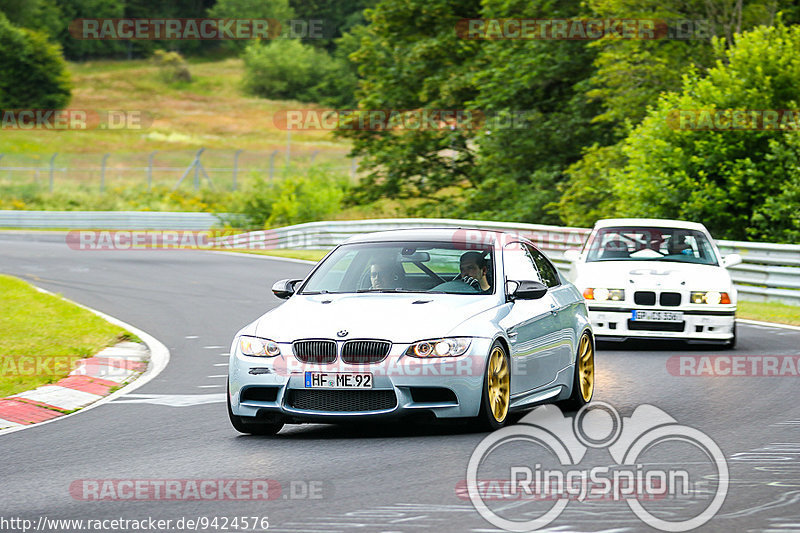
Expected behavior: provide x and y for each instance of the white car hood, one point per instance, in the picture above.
(394, 317)
(660, 275)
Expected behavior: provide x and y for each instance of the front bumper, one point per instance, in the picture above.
(402, 386)
(707, 324)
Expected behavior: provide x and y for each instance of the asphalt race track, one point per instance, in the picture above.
(372, 478)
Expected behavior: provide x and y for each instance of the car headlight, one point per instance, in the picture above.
(451, 347)
(601, 294)
(710, 297)
(257, 347)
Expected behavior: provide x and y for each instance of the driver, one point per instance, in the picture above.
(381, 275)
(472, 268)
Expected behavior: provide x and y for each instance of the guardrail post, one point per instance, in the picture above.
(314, 155)
(353, 168)
(236, 166)
(272, 164)
(52, 169)
(150, 169)
(103, 172)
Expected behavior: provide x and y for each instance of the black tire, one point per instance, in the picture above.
(579, 396)
(487, 420)
(731, 344)
(248, 425)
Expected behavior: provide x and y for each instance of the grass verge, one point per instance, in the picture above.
(769, 312)
(307, 255)
(43, 336)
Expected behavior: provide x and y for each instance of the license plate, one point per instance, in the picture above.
(338, 380)
(657, 316)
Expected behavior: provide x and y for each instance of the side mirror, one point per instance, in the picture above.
(284, 288)
(731, 260)
(529, 290)
(572, 255)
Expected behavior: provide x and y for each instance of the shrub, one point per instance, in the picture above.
(290, 201)
(172, 68)
(287, 69)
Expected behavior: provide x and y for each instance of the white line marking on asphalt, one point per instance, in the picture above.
(173, 400)
(218, 376)
(212, 347)
(220, 364)
(208, 386)
(191, 337)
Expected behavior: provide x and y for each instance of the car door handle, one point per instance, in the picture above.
(513, 334)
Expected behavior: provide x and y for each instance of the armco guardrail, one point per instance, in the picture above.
(770, 272)
(108, 220)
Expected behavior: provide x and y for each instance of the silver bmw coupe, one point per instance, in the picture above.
(443, 323)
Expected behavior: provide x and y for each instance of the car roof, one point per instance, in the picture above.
(432, 234)
(650, 222)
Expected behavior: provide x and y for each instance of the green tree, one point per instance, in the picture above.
(251, 9)
(729, 180)
(33, 73)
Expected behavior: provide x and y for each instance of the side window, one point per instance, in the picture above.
(547, 272)
(518, 262)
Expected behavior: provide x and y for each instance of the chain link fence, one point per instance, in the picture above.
(174, 169)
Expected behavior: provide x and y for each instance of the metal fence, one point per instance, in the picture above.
(769, 272)
(213, 169)
(116, 220)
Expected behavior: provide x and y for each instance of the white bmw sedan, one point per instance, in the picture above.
(441, 322)
(651, 278)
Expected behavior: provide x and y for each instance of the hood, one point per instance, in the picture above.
(658, 275)
(400, 318)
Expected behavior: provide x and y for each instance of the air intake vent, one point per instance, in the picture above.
(315, 351)
(260, 394)
(342, 400)
(363, 352)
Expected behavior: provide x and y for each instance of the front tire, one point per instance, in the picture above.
(731, 344)
(583, 377)
(242, 424)
(496, 397)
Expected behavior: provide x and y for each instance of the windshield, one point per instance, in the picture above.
(651, 244)
(386, 267)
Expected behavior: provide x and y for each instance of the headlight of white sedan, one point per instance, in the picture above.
(258, 347)
(449, 347)
(710, 297)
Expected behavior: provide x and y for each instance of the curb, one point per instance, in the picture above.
(124, 365)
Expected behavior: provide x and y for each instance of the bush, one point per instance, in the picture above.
(172, 68)
(290, 201)
(288, 69)
(34, 75)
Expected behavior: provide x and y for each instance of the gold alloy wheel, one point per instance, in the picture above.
(586, 368)
(498, 384)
